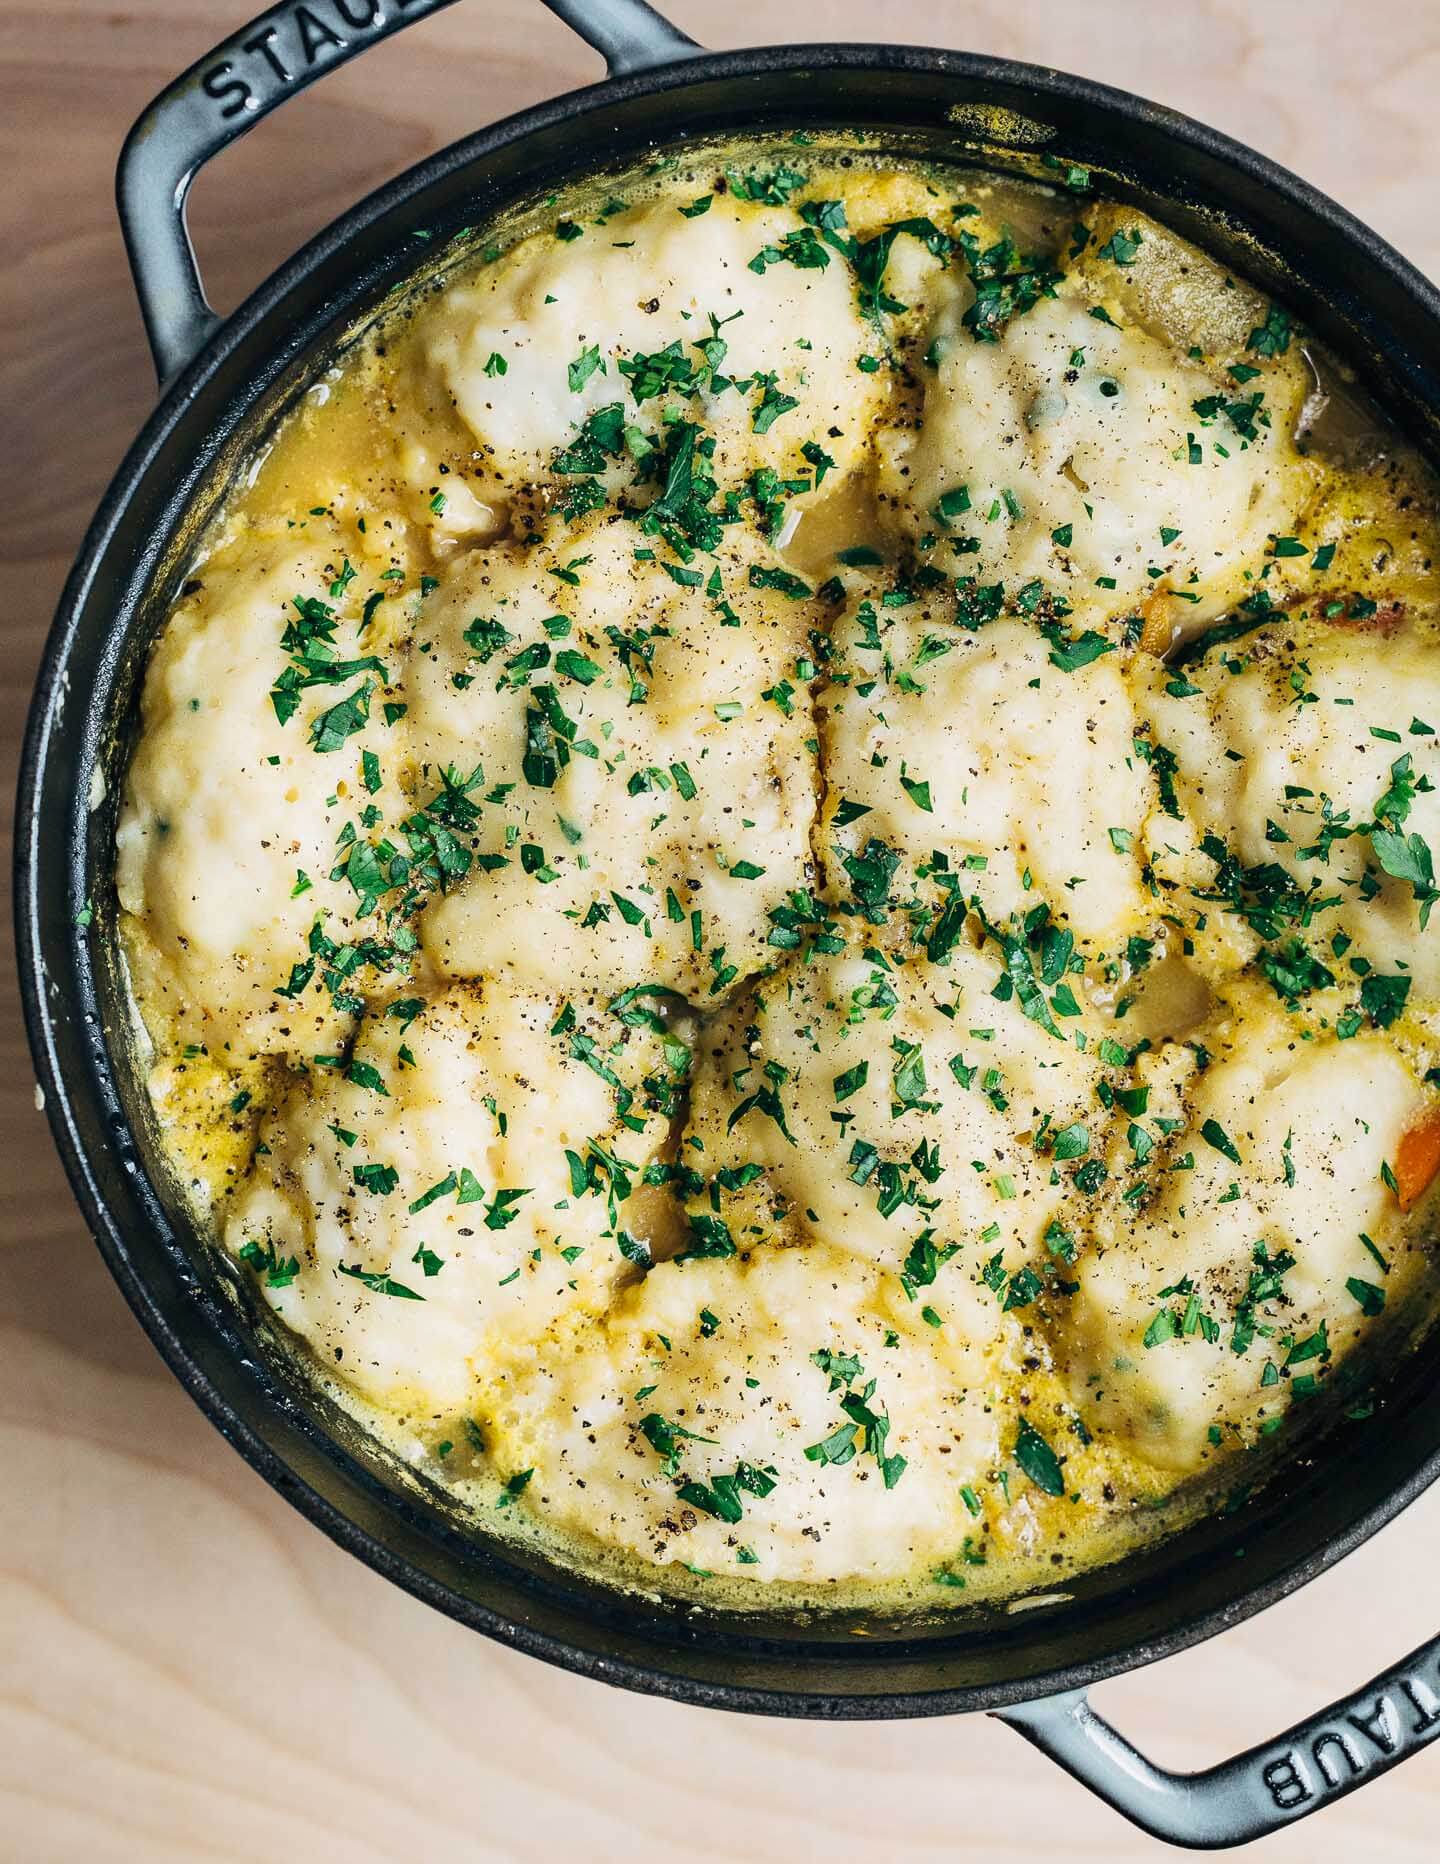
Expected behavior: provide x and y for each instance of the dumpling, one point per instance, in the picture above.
(702, 1422)
(861, 1102)
(658, 312)
(647, 790)
(1082, 451)
(1287, 745)
(1023, 775)
(229, 828)
(413, 1208)
(1196, 1321)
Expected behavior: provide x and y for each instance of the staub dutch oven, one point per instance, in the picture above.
(223, 384)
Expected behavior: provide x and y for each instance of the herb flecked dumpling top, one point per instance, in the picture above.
(227, 841)
(432, 1168)
(1024, 771)
(1280, 1229)
(656, 309)
(647, 788)
(758, 1380)
(1122, 470)
(781, 871)
(1305, 754)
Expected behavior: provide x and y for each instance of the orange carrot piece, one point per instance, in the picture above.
(1417, 1159)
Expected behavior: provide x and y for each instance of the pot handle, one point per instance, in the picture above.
(241, 80)
(1312, 1764)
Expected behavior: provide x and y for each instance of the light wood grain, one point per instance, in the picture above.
(189, 1671)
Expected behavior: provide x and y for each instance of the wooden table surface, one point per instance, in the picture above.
(187, 1669)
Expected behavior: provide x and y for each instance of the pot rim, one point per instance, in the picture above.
(268, 298)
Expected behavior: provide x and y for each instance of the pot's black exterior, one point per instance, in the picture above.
(1355, 290)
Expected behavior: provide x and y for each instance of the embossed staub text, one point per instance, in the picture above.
(289, 45)
(1371, 1732)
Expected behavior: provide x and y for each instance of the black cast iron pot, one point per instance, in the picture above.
(223, 383)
